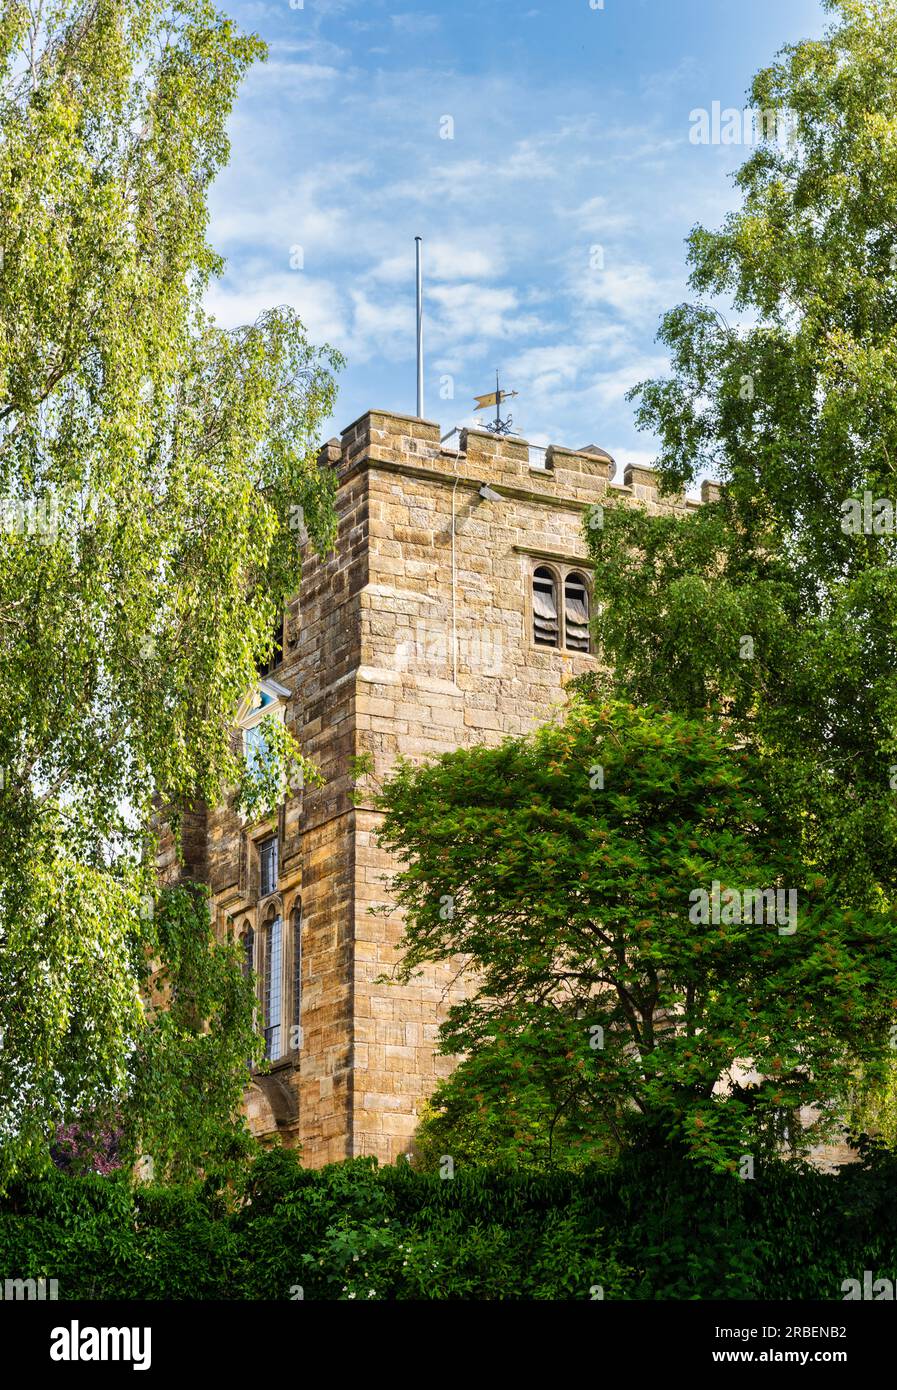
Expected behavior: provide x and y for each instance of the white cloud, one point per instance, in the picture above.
(314, 212)
(322, 50)
(315, 301)
(630, 290)
(657, 86)
(469, 311)
(443, 260)
(384, 328)
(307, 79)
(642, 458)
(410, 23)
(596, 215)
(448, 260)
(543, 369)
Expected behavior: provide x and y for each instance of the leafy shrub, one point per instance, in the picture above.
(653, 1226)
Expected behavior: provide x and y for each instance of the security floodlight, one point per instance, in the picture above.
(489, 494)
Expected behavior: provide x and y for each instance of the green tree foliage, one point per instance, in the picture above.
(187, 1073)
(794, 413)
(156, 473)
(517, 1103)
(777, 604)
(179, 1112)
(564, 872)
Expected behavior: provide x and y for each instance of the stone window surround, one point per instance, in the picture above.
(252, 714)
(269, 841)
(257, 919)
(559, 568)
(274, 989)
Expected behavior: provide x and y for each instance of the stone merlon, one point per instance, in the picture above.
(509, 464)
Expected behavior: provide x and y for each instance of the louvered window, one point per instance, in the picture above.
(576, 613)
(545, 609)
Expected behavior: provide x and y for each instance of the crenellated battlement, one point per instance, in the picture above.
(510, 465)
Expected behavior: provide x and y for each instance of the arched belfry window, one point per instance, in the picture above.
(546, 629)
(274, 987)
(561, 606)
(576, 613)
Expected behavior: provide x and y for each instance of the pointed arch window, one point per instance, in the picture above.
(274, 987)
(248, 952)
(248, 941)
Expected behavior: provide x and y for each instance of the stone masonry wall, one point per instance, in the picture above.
(428, 682)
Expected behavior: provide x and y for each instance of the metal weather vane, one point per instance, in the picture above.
(498, 425)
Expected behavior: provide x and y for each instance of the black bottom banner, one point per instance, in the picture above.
(90, 1340)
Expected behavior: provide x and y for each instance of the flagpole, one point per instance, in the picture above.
(420, 329)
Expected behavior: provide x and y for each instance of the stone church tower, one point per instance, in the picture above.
(453, 610)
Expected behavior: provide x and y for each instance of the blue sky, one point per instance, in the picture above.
(570, 132)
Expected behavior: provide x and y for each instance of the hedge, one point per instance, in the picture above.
(652, 1227)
